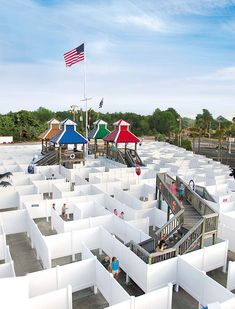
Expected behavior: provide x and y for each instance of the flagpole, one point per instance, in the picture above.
(85, 98)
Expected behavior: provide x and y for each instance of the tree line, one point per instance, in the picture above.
(162, 124)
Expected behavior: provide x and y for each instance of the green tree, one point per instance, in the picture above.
(6, 125)
(223, 123)
(165, 122)
(43, 114)
(204, 120)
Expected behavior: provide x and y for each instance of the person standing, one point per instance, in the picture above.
(115, 267)
(181, 191)
(173, 188)
(174, 206)
(121, 216)
(106, 263)
(63, 211)
(115, 212)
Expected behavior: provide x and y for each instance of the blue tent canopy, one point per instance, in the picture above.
(68, 134)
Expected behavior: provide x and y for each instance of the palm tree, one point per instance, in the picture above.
(194, 133)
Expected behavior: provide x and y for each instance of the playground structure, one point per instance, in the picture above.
(56, 141)
(52, 130)
(122, 135)
(61, 151)
(97, 134)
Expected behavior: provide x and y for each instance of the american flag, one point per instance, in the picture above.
(75, 55)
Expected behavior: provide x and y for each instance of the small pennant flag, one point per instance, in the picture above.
(101, 103)
(75, 55)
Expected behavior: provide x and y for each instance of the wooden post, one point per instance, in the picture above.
(95, 147)
(116, 151)
(107, 147)
(203, 233)
(156, 194)
(160, 200)
(83, 149)
(60, 154)
(168, 212)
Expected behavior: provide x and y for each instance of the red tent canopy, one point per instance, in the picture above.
(121, 133)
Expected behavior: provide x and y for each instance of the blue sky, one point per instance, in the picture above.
(140, 54)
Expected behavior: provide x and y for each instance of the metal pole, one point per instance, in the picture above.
(180, 127)
(180, 130)
(229, 145)
(85, 98)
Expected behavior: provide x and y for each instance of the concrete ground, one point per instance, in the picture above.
(86, 299)
(45, 226)
(24, 257)
(182, 300)
(8, 209)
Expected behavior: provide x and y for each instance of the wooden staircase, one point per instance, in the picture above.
(191, 222)
(191, 216)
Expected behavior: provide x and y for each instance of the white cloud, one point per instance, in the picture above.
(115, 70)
(224, 74)
(153, 24)
(123, 88)
(184, 7)
(229, 26)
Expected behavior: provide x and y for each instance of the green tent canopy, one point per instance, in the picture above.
(99, 131)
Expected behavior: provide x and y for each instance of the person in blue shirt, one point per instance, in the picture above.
(115, 267)
(181, 191)
(31, 169)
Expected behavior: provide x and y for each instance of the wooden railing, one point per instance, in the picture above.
(47, 149)
(152, 257)
(70, 155)
(98, 149)
(125, 156)
(162, 182)
(202, 191)
(171, 226)
(161, 256)
(194, 238)
(116, 155)
(91, 148)
(194, 199)
(140, 251)
(202, 207)
(190, 239)
(133, 157)
(211, 223)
